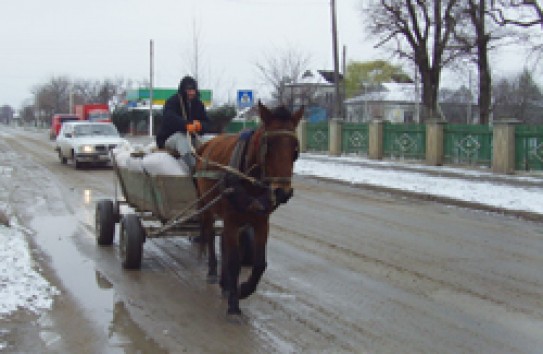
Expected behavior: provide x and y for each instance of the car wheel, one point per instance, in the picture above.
(131, 242)
(62, 159)
(104, 222)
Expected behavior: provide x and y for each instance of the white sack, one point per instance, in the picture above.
(162, 163)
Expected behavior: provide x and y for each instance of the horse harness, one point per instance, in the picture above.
(239, 163)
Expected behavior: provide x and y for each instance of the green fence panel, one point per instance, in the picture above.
(405, 141)
(467, 144)
(354, 138)
(529, 147)
(236, 126)
(317, 137)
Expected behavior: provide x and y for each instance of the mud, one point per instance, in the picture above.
(350, 270)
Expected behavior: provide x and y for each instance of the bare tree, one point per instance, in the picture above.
(478, 35)
(282, 68)
(420, 31)
(523, 13)
(518, 97)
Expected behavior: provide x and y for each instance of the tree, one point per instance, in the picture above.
(523, 13)
(526, 14)
(421, 31)
(360, 74)
(519, 98)
(278, 70)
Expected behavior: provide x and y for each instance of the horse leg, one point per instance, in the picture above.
(223, 282)
(208, 235)
(259, 260)
(231, 252)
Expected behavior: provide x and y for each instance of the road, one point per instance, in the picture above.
(350, 270)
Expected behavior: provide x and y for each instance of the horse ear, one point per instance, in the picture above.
(298, 115)
(265, 113)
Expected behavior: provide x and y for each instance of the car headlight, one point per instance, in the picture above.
(86, 148)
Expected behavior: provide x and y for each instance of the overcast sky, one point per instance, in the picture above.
(110, 38)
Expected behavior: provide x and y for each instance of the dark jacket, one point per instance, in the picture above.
(172, 116)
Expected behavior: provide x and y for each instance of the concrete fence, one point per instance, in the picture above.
(502, 144)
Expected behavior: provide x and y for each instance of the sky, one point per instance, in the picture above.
(101, 39)
(22, 286)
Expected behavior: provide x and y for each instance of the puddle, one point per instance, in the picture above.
(87, 196)
(92, 290)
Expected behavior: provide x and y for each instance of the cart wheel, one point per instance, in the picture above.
(104, 222)
(246, 246)
(132, 242)
(116, 212)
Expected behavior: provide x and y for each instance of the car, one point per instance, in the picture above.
(56, 123)
(86, 142)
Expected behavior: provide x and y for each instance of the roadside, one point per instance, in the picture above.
(517, 195)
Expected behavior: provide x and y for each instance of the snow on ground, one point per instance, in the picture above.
(501, 195)
(21, 286)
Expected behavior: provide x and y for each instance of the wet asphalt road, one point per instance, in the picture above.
(349, 270)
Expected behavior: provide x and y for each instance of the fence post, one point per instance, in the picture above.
(301, 132)
(434, 142)
(334, 138)
(503, 153)
(375, 132)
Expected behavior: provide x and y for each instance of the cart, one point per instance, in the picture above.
(160, 206)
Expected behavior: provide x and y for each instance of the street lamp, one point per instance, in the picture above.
(337, 105)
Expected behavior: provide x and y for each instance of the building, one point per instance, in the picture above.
(316, 91)
(6, 114)
(398, 103)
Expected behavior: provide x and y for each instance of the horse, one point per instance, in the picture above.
(257, 181)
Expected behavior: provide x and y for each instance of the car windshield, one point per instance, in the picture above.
(95, 129)
(67, 119)
(97, 116)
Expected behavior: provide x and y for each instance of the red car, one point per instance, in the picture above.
(57, 121)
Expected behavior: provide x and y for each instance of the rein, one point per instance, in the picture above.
(261, 145)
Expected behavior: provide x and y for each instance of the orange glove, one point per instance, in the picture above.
(191, 128)
(194, 127)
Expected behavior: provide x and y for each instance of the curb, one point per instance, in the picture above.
(522, 214)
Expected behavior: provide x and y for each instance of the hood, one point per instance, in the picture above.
(186, 83)
(97, 140)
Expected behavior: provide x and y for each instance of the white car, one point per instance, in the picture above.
(87, 142)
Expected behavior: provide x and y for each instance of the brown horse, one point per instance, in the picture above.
(265, 161)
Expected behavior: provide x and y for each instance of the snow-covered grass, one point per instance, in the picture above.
(500, 195)
(21, 285)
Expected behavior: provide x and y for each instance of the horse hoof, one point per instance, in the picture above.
(235, 317)
(212, 279)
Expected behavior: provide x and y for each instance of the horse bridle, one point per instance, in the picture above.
(262, 139)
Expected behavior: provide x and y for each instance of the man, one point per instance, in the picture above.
(183, 112)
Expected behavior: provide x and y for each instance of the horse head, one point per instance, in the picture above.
(274, 150)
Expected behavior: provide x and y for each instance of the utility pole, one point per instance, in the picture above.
(417, 95)
(151, 89)
(337, 101)
(344, 71)
(469, 118)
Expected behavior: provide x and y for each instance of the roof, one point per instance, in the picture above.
(85, 122)
(316, 77)
(388, 92)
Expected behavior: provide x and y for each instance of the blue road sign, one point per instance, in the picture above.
(245, 98)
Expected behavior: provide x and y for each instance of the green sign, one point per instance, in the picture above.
(160, 95)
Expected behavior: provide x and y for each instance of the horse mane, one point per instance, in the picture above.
(281, 113)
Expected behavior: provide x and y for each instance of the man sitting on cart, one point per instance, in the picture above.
(183, 111)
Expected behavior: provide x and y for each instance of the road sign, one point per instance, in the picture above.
(245, 98)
